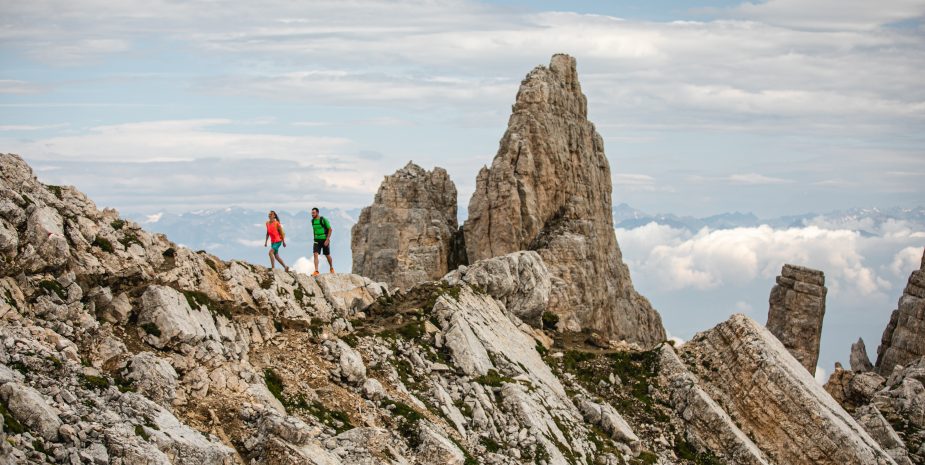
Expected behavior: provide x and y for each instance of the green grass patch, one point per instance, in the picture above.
(51, 286)
(335, 419)
(130, 238)
(407, 419)
(11, 425)
(117, 224)
(94, 382)
(8, 297)
(493, 379)
(687, 451)
(103, 244)
(490, 444)
(550, 320)
(645, 458)
(57, 190)
(140, 432)
(274, 384)
(152, 329)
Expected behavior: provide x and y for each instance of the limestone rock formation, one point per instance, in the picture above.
(774, 399)
(520, 280)
(549, 190)
(858, 359)
(797, 306)
(904, 337)
(406, 237)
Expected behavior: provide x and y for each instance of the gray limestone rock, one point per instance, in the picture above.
(904, 337)
(520, 280)
(549, 190)
(872, 421)
(31, 409)
(797, 306)
(774, 399)
(859, 360)
(171, 321)
(406, 236)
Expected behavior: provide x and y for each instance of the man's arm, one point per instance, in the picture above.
(327, 233)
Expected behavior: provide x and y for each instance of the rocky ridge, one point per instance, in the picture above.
(797, 307)
(549, 190)
(406, 237)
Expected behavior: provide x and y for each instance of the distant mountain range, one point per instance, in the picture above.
(237, 233)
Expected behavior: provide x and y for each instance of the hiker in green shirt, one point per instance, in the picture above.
(322, 229)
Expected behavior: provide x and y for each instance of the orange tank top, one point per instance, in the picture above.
(273, 231)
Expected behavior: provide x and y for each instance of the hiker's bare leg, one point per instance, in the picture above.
(281, 262)
(316, 262)
(330, 262)
(272, 264)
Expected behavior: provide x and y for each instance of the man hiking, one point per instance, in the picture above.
(277, 237)
(322, 229)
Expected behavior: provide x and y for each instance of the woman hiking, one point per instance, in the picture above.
(276, 236)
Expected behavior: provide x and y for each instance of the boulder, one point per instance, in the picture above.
(168, 319)
(549, 190)
(520, 280)
(797, 306)
(904, 337)
(30, 409)
(153, 377)
(349, 293)
(406, 236)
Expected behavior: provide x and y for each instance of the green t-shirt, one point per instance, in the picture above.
(321, 225)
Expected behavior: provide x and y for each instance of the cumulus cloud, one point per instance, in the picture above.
(677, 259)
(821, 376)
(905, 262)
(755, 178)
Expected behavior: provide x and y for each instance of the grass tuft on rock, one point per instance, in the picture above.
(103, 244)
(51, 286)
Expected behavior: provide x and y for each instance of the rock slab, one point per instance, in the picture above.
(797, 307)
(549, 190)
(774, 399)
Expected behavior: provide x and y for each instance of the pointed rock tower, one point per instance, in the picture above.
(406, 236)
(904, 337)
(549, 190)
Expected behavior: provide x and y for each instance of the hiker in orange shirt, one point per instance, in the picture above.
(276, 236)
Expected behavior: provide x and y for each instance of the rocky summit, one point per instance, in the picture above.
(549, 189)
(406, 237)
(797, 307)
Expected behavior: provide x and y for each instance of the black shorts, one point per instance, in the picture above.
(320, 247)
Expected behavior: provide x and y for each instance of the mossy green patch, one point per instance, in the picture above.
(152, 329)
(274, 383)
(130, 238)
(197, 300)
(103, 244)
(550, 320)
(51, 286)
(493, 379)
(10, 423)
(117, 224)
(407, 419)
(94, 382)
(57, 190)
(687, 451)
(140, 432)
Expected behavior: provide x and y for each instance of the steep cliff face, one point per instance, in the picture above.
(797, 307)
(904, 337)
(549, 190)
(406, 237)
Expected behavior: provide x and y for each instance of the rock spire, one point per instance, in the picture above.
(904, 337)
(406, 236)
(797, 306)
(549, 190)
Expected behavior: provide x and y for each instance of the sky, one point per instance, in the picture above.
(777, 108)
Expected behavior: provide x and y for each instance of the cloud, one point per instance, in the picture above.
(175, 140)
(831, 14)
(821, 376)
(756, 179)
(12, 86)
(676, 259)
(31, 127)
(906, 261)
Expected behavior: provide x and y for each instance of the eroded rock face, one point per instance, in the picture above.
(904, 337)
(549, 190)
(797, 306)
(520, 280)
(406, 236)
(774, 399)
(858, 359)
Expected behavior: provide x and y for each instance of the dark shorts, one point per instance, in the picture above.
(275, 246)
(320, 247)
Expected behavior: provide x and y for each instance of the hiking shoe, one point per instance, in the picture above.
(332, 270)
(287, 269)
(316, 273)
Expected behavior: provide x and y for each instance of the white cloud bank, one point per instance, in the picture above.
(676, 259)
